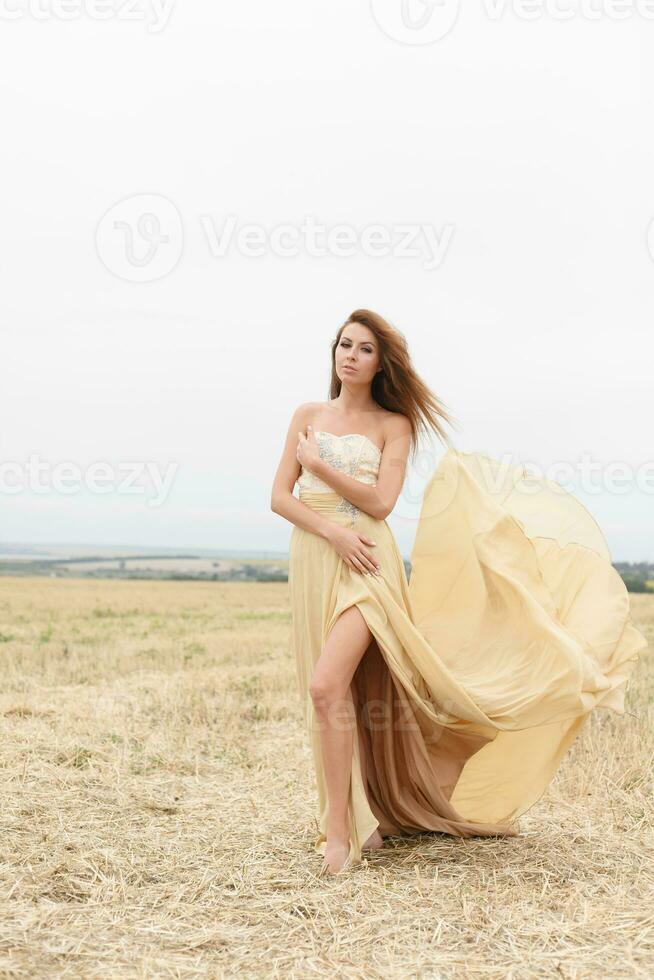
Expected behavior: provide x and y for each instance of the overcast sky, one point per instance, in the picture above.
(168, 296)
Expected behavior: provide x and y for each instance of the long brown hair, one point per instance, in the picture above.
(397, 387)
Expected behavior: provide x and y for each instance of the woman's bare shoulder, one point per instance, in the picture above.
(396, 424)
(305, 412)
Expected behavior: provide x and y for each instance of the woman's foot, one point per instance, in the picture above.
(336, 856)
(374, 841)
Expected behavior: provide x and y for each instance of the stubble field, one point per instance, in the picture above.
(158, 813)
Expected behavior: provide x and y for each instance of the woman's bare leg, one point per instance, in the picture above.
(331, 694)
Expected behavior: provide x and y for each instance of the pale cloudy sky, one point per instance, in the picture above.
(145, 324)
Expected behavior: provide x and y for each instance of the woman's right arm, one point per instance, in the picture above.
(349, 544)
(282, 499)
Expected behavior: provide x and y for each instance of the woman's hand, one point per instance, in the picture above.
(308, 451)
(350, 545)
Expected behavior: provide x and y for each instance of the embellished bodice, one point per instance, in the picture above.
(353, 454)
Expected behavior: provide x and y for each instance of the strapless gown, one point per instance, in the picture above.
(484, 666)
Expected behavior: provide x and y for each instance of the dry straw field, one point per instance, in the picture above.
(158, 807)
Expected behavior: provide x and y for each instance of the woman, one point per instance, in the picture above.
(445, 704)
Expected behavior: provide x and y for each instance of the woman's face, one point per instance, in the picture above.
(357, 349)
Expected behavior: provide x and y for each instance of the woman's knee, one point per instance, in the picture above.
(325, 690)
(333, 700)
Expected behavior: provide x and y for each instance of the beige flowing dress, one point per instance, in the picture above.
(484, 667)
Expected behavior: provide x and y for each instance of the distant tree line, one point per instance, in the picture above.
(637, 576)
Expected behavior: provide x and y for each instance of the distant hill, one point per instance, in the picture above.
(201, 564)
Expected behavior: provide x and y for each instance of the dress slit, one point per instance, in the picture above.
(415, 763)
